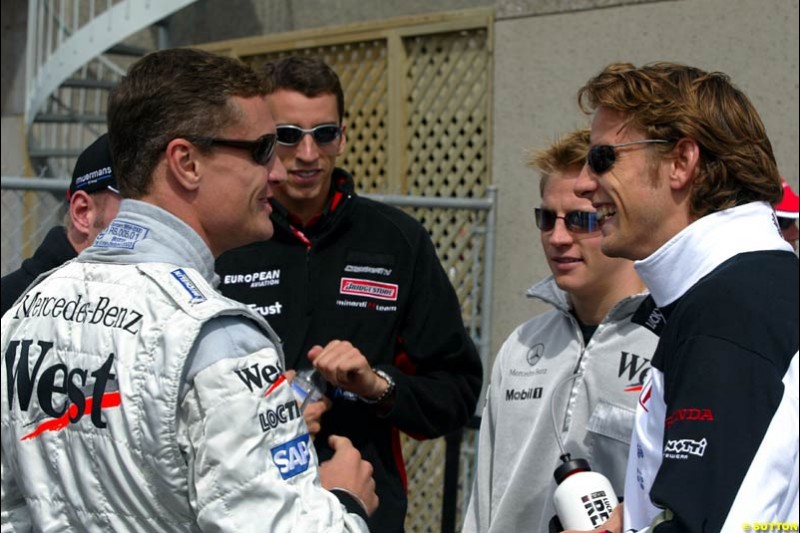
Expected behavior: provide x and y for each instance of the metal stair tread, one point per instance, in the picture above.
(70, 118)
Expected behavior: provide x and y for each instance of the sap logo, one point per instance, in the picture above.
(682, 448)
(633, 368)
(528, 394)
(272, 418)
(692, 414)
(258, 376)
(292, 457)
(267, 310)
(61, 391)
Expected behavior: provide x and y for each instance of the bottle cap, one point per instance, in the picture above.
(571, 467)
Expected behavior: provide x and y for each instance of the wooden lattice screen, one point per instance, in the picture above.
(417, 110)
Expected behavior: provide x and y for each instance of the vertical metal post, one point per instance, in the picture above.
(488, 276)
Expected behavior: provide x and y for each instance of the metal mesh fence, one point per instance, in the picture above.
(26, 217)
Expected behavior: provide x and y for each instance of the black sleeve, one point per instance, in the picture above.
(443, 391)
(350, 503)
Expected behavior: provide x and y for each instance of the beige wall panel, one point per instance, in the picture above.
(540, 62)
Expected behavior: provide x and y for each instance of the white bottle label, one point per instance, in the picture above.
(584, 501)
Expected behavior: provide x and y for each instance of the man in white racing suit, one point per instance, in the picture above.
(134, 396)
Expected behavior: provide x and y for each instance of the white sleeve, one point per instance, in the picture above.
(15, 515)
(478, 514)
(252, 465)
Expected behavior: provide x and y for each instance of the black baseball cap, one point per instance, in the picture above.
(93, 170)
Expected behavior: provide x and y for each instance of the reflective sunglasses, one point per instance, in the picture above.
(786, 222)
(261, 149)
(602, 157)
(575, 221)
(289, 135)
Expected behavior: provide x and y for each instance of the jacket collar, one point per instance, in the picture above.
(705, 244)
(548, 292)
(342, 189)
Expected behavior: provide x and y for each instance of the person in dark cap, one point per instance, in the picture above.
(93, 203)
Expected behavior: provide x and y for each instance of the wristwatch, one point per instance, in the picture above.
(386, 393)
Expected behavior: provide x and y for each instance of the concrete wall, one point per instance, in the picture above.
(541, 62)
(217, 20)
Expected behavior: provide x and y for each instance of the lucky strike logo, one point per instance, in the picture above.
(368, 288)
(62, 392)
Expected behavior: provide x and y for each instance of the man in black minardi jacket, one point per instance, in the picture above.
(354, 288)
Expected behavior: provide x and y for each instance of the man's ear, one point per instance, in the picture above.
(342, 140)
(683, 165)
(183, 163)
(81, 206)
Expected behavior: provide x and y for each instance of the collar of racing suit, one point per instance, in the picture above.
(547, 291)
(342, 190)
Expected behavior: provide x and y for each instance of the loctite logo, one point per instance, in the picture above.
(283, 413)
(60, 390)
(368, 288)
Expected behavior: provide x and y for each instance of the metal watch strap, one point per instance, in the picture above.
(388, 392)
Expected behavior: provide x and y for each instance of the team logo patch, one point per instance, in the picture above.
(358, 269)
(535, 354)
(264, 278)
(691, 414)
(187, 283)
(292, 457)
(683, 448)
(368, 288)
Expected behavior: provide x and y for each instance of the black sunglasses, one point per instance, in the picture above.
(261, 149)
(575, 221)
(289, 135)
(602, 157)
(785, 222)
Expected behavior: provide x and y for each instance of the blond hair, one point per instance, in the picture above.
(566, 153)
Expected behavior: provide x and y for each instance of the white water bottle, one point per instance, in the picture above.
(583, 499)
